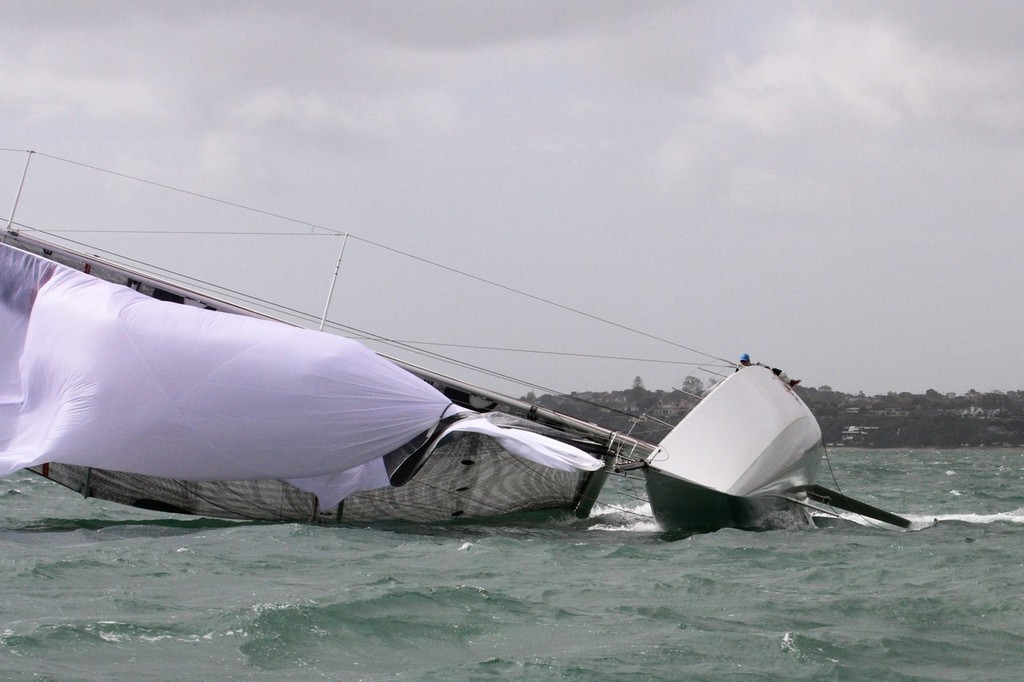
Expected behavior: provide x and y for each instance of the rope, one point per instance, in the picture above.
(540, 299)
(179, 190)
(315, 226)
(828, 460)
(594, 356)
(408, 346)
(351, 331)
(631, 495)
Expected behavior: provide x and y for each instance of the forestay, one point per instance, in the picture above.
(98, 375)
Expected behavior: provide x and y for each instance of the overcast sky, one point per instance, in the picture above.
(835, 188)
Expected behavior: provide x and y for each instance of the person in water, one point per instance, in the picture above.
(745, 362)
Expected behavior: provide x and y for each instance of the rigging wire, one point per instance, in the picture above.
(350, 330)
(356, 332)
(315, 226)
(831, 472)
(326, 231)
(828, 461)
(632, 495)
(412, 346)
(179, 190)
(541, 299)
(532, 351)
(426, 261)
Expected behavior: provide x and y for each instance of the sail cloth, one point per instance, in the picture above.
(98, 375)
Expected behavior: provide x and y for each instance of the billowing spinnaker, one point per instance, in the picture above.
(96, 374)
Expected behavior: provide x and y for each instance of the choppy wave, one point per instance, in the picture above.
(94, 591)
(634, 517)
(1015, 517)
(923, 521)
(638, 517)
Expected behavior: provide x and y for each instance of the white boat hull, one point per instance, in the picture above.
(740, 459)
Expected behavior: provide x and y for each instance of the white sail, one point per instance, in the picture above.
(95, 374)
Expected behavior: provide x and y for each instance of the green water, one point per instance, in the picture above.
(95, 591)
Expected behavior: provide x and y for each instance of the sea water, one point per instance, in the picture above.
(95, 591)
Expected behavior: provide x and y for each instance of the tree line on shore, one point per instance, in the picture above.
(929, 419)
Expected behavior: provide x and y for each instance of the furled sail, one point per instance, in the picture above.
(96, 374)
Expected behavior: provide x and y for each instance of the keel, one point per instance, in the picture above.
(831, 498)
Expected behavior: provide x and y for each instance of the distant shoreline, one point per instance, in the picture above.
(890, 421)
(838, 446)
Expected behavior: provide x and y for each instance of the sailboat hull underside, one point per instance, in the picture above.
(684, 506)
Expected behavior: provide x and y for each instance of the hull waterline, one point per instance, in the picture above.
(688, 507)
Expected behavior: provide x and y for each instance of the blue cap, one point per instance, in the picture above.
(744, 358)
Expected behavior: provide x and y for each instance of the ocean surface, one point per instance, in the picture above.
(95, 591)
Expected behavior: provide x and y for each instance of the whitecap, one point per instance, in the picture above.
(636, 518)
(1015, 516)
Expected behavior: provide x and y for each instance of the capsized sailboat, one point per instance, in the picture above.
(135, 390)
(129, 388)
